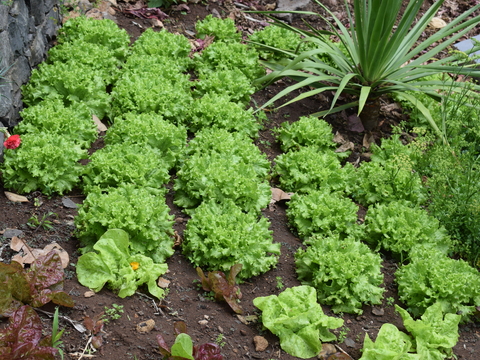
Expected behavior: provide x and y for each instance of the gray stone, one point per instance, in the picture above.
(37, 49)
(467, 45)
(68, 203)
(291, 5)
(2, 139)
(22, 69)
(37, 9)
(350, 343)
(9, 233)
(3, 17)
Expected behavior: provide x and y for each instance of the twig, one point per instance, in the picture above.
(343, 351)
(158, 311)
(79, 327)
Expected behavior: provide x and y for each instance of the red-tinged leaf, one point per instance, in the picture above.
(97, 341)
(179, 327)
(164, 348)
(233, 273)
(205, 281)
(22, 338)
(207, 351)
(46, 271)
(62, 298)
(88, 322)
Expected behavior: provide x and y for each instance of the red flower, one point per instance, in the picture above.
(12, 142)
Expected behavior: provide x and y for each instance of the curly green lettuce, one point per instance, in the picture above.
(345, 272)
(220, 235)
(144, 216)
(398, 227)
(118, 164)
(112, 263)
(45, 162)
(73, 123)
(310, 169)
(222, 29)
(322, 212)
(307, 131)
(432, 277)
(149, 129)
(298, 320)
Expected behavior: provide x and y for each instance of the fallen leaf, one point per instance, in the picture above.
(355, 124)
(14, 197)
(368, 140)
(339, 139)
(163, 283)
(437, 23)
(29, 255)
(279, 194)
(16, 244)
(89, 294)
(178, 239)
(348, 146)
(247, 319)
(100, 126)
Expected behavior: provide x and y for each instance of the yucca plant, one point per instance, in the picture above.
(377, 55)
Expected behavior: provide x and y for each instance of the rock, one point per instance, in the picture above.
(290, 5)
(261, 343)
(437, 23)
(378, 311)
(89, 294)
(10, 233)
(68, 203)
(350, 342)
(146, 326)
(203, 322)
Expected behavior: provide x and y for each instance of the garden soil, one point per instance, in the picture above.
(207, 320)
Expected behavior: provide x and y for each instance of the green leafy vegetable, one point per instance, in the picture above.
(37, 286)
(144, 216)
(221, 235)
(435, 333)
(345, 273)
(307, 131)
(45, 162)
(149, 129)
(322, 212)
(298, 320)
(73, 123)
(113, 263)
(311, 169)
(222, 29)
(398, 227)
(121, 164)
(433, 277)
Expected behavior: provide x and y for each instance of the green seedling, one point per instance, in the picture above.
(57, 335)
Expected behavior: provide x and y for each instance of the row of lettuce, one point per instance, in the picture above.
(148, 93)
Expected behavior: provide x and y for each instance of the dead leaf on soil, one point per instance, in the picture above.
(368, 139)
(30, 255)
(348, 146)
(178, 239)
(14, 197)
(279, 194)
(100, 126)
(89, 294)
(163, 283)
(247, 319)
(339, 139)
(437, 23)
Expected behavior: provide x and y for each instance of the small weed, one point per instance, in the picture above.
(57, 335)
(342, 335)
(35, 222)
(280, 284)
(113, 313)
(265, 143)
(220, 340)
(390, 301)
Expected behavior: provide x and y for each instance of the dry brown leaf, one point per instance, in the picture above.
(368, 140)
(89, 294)
(14, 197)
(345, 147)
(178, 239)
(339, 139)
(100, 126)
(30, 255)
(16, 244)
(437, 23)
(278, 195)
(163, 283)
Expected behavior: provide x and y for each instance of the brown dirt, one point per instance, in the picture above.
(185, 301)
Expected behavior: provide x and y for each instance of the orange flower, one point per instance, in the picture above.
(135, 265)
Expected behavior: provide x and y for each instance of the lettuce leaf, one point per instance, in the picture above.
(112, 264)
(298, 320)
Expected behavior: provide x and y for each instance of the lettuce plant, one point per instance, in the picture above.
(386, 181)
(221, 235)
(231, 167)
(23, 337)
(69, 82)
(431, 337)
(155, 65)
(175, 47)
(45, 162)
(36, 286)
(322, 212)
(142, 93)
(73, 123)
(216, 110)
(232, 83)
(310, 169)
(144, 216)
(149, 129)
(229, 56)
(398, 227)
(126, 164)
(98, 58)
(307, 131)
(345, 272)
(222, 29)
(112, 263)
(298, 320)
(100, 32)
(431, 277)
